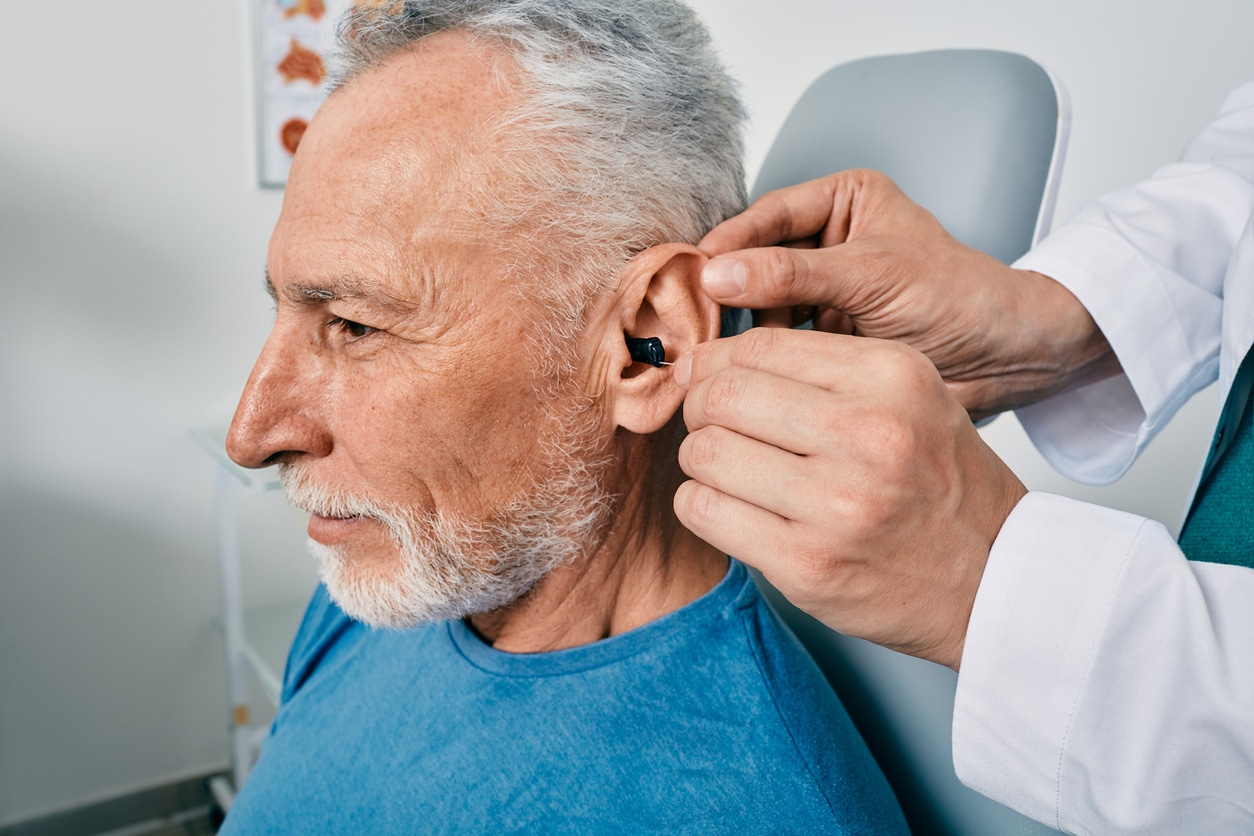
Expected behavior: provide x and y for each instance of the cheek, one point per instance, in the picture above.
(461, 439)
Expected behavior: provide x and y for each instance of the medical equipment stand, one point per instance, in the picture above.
(241, 654)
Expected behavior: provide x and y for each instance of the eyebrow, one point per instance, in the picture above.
(341, 287)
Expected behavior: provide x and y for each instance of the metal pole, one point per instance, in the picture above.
(233, 626)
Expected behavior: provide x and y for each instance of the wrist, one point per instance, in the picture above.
(1053, 345)
(987, 515)
(1077, 349)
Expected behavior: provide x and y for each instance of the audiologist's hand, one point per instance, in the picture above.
(863, 258)
(845, 468)
(846, 472)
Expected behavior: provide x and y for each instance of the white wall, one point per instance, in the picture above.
(131, 248)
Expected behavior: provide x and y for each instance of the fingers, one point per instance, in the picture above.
(748, 268)
(833, 321)
(772, 409)
(807, 357)
(787, 317)
(732, 525)
(790, 214)
(747, 469)
(777, 277)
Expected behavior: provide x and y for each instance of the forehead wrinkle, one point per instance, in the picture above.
(389, 175)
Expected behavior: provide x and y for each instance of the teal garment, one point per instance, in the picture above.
(711, 719)
(1220, 526)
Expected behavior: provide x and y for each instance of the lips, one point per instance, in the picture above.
(331, 530)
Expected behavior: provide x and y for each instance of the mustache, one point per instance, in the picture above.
(322, 501)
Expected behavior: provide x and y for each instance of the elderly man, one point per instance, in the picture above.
(476, 223)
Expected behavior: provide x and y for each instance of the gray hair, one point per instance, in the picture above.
(628, 135)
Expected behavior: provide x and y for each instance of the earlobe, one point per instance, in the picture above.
(660, 297)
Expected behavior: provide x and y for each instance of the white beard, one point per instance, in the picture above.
(452, 568)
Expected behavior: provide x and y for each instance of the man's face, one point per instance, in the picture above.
(397, 387)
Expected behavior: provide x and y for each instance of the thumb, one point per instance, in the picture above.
(777, 277)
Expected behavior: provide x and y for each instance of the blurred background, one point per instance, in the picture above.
(132, 243)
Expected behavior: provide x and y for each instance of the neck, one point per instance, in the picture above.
(645, 565)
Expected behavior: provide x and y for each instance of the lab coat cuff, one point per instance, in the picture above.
(1046, 594)
(1093, 434)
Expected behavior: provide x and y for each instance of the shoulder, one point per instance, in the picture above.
(323, 627)
(800, 726)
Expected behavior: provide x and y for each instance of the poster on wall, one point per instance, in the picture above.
(294, 43)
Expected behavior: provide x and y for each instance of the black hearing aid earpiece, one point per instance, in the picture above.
(647, 350)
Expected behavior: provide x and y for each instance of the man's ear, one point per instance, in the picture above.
(659, 295)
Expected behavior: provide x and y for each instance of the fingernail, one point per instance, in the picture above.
(683, 371)
(724, 277)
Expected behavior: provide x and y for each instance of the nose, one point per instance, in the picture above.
(277, 418)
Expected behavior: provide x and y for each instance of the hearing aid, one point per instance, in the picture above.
(647, 350)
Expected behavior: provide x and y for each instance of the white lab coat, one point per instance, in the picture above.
(1107, 683)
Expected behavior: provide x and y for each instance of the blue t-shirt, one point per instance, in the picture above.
(711, 719)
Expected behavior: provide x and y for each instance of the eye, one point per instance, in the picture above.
(354, 330)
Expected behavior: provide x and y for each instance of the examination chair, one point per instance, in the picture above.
(977, 137)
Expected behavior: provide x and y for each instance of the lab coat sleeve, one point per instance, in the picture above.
(1107, 683)
(1148, 262)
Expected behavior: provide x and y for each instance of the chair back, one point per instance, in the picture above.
(976, 136)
